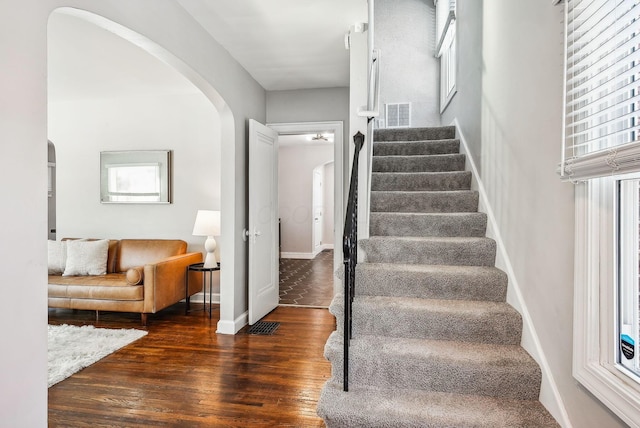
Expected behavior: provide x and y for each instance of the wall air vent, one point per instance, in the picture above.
(398, 115)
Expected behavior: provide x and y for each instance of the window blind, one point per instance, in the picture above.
(602, 96)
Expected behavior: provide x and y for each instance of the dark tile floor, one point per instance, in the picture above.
(307, 282)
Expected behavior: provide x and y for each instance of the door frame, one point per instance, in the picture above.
(314, 207)
(340, 153)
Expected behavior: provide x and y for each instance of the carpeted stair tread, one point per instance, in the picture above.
(428, 224)
(416, 148)
(424, 201)
(431, 282)
(402, 408)
(421, 181)
(421, 163)
(437, 365)
(463, 320)
(415, 134)
(430, 250)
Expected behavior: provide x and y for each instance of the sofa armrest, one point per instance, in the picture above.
(165, 281)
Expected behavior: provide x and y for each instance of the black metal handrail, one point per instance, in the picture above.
(350, 253)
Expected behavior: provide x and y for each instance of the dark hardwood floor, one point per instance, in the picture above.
(183, 374)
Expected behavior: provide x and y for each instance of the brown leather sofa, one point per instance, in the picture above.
(142, 275)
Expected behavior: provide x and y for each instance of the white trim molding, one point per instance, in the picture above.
(228, 327)
(549, 393)
(199, 298)
(340, 157)
(594, 349)
(305, 256)
(294, 255)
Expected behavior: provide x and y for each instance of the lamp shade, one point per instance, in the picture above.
(207, 223)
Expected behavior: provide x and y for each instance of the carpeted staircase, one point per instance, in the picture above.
(434, 342)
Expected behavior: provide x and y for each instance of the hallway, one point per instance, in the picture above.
(307, 282)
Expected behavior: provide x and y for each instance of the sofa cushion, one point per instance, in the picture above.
(86, 257)
(135, 275)
(139, 252)
(99, 287)
(57, 256)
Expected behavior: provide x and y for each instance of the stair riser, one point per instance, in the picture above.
(472, 224)
(421, 181)
(418, 163)
(415, 134)
(436, 373)
(478, 252)
(442, 147)
(442, 376)
(424, 202)
(490, 286)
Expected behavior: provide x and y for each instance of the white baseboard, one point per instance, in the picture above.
(199, 298)
(549, 393)
(305, 256)
(288, 255)
(232, 327)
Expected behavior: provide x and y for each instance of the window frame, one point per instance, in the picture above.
(446, 49)
(595, 363)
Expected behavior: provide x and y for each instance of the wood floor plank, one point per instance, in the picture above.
(183, 374)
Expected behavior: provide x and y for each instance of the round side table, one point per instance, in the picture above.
(199, 267)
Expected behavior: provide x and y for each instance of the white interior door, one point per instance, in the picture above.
(318, 207)
(264, 292)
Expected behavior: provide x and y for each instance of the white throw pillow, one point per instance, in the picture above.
(57, 256)
(86, 257)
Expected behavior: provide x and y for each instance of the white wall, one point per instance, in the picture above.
(295, 187)
(518, 110)
(23, 184)
(23, 131)
(405, 34)
(308, 105)
(186, 124)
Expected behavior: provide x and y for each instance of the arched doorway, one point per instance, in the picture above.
(196, 190)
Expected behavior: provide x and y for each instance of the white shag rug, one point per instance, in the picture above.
(72, 348)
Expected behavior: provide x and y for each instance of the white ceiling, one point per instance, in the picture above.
(284, 44)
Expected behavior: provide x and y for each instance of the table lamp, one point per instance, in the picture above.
(208, 224)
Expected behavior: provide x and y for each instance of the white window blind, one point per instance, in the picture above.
(602, 117)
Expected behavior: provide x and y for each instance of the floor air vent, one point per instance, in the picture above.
(264, 327)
